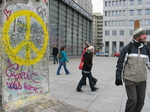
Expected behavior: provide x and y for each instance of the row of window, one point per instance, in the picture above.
(122, 32)
(123, 22)
(124, 2)
(123, 12)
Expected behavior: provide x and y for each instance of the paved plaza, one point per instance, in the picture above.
(109, 98)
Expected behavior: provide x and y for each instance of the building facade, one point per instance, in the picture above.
(70, 25)
(86, 5)
(119, 17)
(98, 31)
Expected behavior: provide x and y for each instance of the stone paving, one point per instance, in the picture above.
(109, 98)
(65, 98)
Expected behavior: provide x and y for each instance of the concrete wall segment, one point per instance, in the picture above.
(23, 52)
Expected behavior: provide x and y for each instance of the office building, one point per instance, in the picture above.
(86, 5)
(70, 25)
(118, 25)
(97, 31)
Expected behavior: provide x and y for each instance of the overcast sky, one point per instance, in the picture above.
(97, 6)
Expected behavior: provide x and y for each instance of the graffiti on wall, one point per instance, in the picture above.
(25, 41)
(25, 37)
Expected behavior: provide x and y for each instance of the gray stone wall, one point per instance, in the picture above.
(24, 73)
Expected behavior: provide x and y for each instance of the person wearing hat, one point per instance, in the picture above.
(86, 45)
(86, 70)
(132, 66)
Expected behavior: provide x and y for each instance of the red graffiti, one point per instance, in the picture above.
(45, 1)
(12, 71)
(29, 87)
(7, 13)
(17, 86)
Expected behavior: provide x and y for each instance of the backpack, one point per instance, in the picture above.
(60, 55)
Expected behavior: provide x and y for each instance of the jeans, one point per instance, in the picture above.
(136, 95)
(84, 75)
(55, 59)
(62, 63)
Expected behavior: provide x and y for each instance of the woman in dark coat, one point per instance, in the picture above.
(86, 70)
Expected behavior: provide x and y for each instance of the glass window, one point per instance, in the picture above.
(147, 32)
(105, 23)
(131, 2)
(109, 13)
(139, 2)
(139, 11)
(113, 23)
(147, 1)
(112, 13)
(112, 3)
(121, 32)
(114, 33)
(107, 47)
(105, 13)
(131, 32)
(121, 46)
(123, 22)
(124, 12)
(116, 23)
(109, 3)
(124, 2)
(147, 11)
(116, 3)
(116, 13)
(131, 22)
(147, 22)
(105, 4)
(106, 33)
(109, 23)
(120, 23)
(131, 12)
(120, 3)
(120, 12)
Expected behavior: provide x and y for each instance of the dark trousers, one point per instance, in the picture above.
(55, 59)
(93, 79)
(136, 95)
(84, 75)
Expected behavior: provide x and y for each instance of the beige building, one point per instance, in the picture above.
(97, 31)
(86, 5)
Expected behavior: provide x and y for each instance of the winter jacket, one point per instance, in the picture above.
(64, 55)
(132, 62)
(87, 61)
(55, 51)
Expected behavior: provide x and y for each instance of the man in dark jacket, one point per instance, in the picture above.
(54, 53)
(132, 61)
(86, 69)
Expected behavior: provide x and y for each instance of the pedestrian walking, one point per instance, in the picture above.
(133, 59)
(86, 69)
(54, 53)
(62, 61)
(86, 45)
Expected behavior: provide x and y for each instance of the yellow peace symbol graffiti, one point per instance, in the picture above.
(12, 52)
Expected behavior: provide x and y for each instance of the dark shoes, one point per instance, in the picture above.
(95, 89)
(80, 91)
(68, 73)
